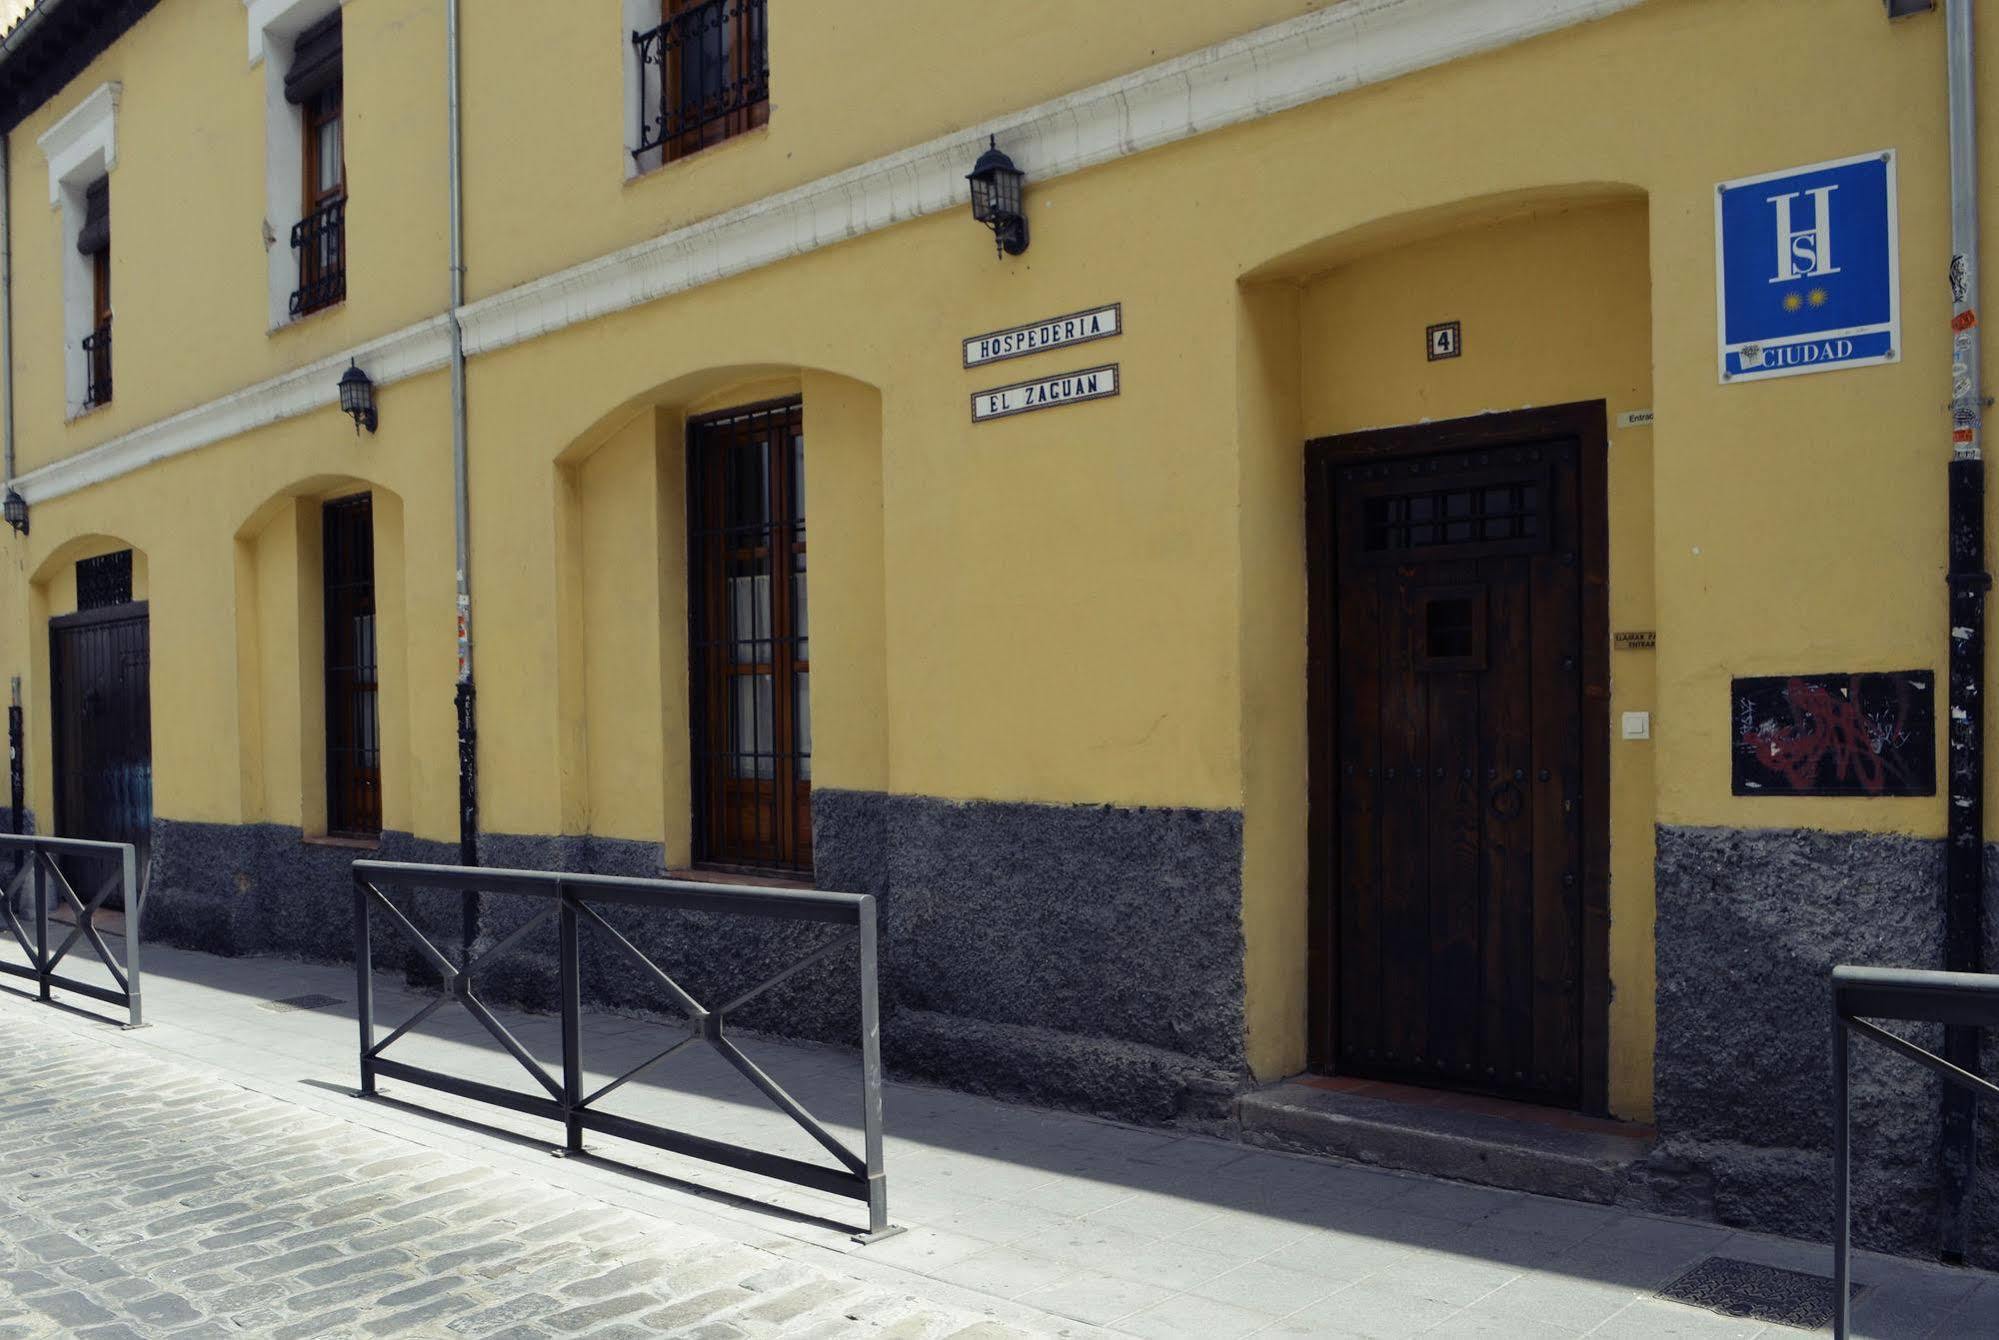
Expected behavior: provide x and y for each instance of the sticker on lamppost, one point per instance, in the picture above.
(1806, 278)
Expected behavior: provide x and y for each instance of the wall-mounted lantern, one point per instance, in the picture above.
(357, 398)
(1901, 9)
(996, 184)
(16, 511)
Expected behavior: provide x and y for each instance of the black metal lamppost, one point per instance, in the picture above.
(996, 185)
(357, 398)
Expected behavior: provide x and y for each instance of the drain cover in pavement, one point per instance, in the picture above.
(291, 1003)
(1745, 1289)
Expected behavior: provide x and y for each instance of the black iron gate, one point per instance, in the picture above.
(103, 725)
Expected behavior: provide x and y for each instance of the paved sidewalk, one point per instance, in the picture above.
(1038, 1222)
(147, 1197)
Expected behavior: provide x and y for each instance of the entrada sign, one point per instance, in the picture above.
(1806, 276)
(1065, 388)
(1098, 323)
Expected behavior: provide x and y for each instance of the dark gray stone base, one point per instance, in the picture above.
(1749, 924)
(1077, 956)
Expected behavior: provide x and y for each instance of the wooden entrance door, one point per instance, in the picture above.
(99, 664)
(1459, 736)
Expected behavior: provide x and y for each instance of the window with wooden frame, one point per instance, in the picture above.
(319, 238)
(353, 738)
(708, 64)
(94, 243)
(752, 671)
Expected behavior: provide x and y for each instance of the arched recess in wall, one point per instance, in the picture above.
(1551, 288)
(623, 631)
(281, 660)
(53, 595)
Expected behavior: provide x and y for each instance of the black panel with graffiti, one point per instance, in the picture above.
(1836, 735)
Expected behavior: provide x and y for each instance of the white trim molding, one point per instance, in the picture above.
(1318, 55)
(81, 150)
(409, 352)
(274, 27)
(274, 23)
(83, 146)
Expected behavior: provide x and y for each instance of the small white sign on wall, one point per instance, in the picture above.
(1056, 332)
(1067, 388)
(1446, 340)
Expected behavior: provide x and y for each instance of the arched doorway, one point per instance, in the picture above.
(100, 658)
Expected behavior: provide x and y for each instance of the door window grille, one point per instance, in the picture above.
(104, 580)
(353, 743)
(752, 668)
(1451, 516)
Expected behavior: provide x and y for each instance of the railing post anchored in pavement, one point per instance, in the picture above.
(1906, 995)
(573, 903)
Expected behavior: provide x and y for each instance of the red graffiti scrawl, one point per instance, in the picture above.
(1825, 726)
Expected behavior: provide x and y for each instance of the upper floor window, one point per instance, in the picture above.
(705, 74)
(319, 238)
(93, 243)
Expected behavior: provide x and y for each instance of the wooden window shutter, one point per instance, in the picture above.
(315, 61)
(96, 233)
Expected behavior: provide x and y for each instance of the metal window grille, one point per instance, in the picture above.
(1474, 515)
(705, 75)
(353, 744)
(97, 366)
(104, 580)
(752, 665)
(320, 239)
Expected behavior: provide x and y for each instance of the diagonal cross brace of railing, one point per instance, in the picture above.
(1904, 995)
(37, 874)
(860, 1174)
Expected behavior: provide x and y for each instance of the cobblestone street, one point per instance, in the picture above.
(145, 1198)
(212, 1174)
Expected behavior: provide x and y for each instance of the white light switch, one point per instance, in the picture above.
(1637, 725)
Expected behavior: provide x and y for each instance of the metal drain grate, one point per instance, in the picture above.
(1745, 1289)
(290, 1003)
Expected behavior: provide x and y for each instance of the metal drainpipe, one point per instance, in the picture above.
(1964, 867)
(16, 736)
(7, 296)
(468, 732)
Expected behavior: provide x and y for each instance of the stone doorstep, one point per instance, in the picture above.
(1487, 1141)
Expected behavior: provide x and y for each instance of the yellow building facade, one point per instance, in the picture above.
(1065, 711)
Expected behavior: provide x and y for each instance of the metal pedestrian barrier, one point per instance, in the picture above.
(1907, 995)
(36, 869)
(573, 904)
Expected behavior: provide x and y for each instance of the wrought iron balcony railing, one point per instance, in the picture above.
(97, 366)
(706, 74)
(320, 239)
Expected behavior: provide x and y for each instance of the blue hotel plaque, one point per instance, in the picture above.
(1806, 276)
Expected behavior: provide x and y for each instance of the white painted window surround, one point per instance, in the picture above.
(641, 84)
(274, 25)
(80, 149)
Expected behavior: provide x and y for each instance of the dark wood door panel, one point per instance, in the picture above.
(101, 700)
(1450, 837)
